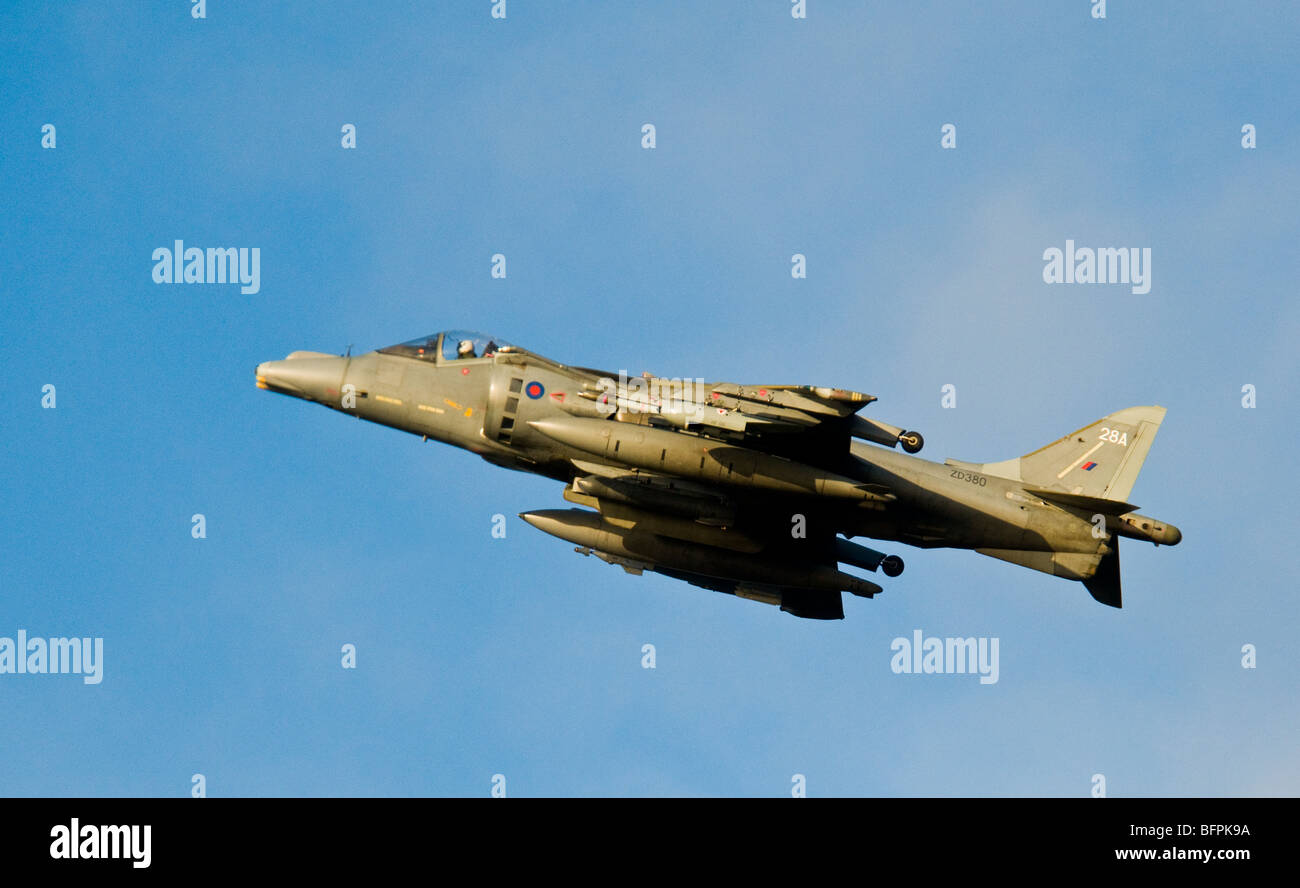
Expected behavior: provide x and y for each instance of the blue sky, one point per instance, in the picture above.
(479, 656)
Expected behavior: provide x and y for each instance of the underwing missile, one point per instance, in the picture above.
(589, 530)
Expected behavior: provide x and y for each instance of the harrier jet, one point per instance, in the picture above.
(753, 490)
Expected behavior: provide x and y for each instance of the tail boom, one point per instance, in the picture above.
(1090, 473)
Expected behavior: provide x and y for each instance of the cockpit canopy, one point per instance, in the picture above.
(456, 345)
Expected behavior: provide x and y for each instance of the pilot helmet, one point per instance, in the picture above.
(465, 347)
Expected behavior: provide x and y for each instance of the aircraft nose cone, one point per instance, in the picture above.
(1175, 535)
(312, 376)
(267, 378)
(275, 377)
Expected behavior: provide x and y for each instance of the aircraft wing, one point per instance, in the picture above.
(734, 411)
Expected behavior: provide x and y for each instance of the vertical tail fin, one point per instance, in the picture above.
(1101, 460)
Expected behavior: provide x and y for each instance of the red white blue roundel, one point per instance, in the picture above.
(534, 390)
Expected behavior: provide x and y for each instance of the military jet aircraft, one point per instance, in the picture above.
(753, 490)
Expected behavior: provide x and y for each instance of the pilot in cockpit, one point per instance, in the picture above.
(465, 349)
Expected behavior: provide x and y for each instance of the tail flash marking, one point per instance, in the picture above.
(1065, 471)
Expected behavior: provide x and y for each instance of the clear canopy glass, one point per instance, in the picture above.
(461, 344)
(457, 345)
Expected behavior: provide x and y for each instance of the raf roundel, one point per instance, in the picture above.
(534, 390)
